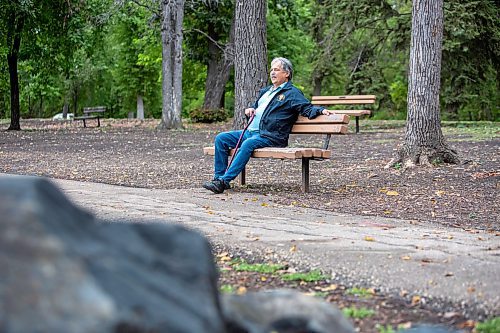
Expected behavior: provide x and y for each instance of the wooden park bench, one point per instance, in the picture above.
(326, 125)
(346, 100)
(92, 113)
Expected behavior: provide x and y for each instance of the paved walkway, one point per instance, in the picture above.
(395, 256)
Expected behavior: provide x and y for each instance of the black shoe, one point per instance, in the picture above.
(227, 186)
(217, 186)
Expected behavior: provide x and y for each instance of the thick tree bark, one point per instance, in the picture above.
(250, 61)
(15, 27)
(424, 142)
(218, 70)
(171, 33)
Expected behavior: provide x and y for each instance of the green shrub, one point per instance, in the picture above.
(200, 115)
(489, 326)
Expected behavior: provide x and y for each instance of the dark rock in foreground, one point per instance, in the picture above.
(283, 311)
(61, 271)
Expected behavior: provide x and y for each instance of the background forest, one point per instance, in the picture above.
(105, 52)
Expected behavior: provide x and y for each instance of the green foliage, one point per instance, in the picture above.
(385, 329)
(398, 90)
(200, 115)
(227, 289)
(471, 54)
(360, 292)
(98, 53)
(311, 276)
(489, 326)
(358, 313)
(241, 265)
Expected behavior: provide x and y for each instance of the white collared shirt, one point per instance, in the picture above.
(262, 105)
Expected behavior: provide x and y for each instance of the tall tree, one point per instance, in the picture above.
(210, 40)
(424, 142)
(16, 17)
(43, 28)
(250, 62)
(171, 35)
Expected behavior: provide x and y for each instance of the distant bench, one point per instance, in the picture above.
(346, 100)
(327, 125)
(92, 113)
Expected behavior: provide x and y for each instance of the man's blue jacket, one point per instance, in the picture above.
(282, 112)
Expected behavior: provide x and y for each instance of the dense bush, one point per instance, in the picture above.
(200, 115)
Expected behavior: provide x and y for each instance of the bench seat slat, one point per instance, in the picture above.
(281, 153)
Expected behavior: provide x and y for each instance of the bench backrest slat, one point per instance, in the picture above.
(333, 124)
(319, 129)
(94, 109)
(343, 100)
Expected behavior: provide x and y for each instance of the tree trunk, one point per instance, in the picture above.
(75, 100)
(218, 70)
(15, 27)
(250, 60)
(424, 142)
(317, 84)
(65, 110)
(140, 107)
(171, 34)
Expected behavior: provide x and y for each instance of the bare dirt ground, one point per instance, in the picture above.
(133, 153)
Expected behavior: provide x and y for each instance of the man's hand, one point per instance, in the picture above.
(328, 112)
(249, 112)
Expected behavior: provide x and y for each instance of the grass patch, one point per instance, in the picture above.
(311, 276)
(243, 266)
(227, 289)
(471, 130)
(357, 313)
(360, 292)
(489, 326)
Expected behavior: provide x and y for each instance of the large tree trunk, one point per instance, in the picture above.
(171, 35)
(218, 70)
(14, 29)
(424, 142)
(250, 61)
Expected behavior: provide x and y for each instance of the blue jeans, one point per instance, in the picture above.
(225, 141)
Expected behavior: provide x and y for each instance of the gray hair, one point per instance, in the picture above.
(286, 65)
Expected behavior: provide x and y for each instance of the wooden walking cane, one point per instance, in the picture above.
(239, 141)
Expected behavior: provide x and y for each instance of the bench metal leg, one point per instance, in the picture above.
(357, 124)
(243, 176)
(305, 174)
(98, 122)
(84, 124)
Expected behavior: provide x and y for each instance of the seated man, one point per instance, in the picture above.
(274, 113)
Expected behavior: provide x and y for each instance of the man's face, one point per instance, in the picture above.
(277, 74)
